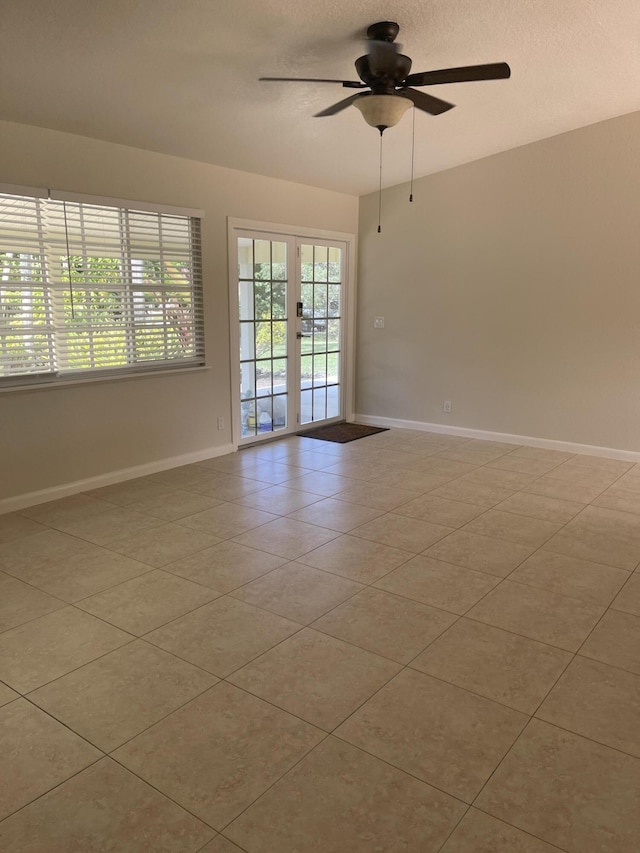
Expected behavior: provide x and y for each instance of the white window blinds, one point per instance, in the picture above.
(88, 288)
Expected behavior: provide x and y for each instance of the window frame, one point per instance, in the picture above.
(59, 335)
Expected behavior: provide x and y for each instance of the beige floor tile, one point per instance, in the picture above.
(219, 753)
(569, 791)
(39, 549)
(341, 799)
(289, 450)
(274, 472)
(630, 480)
(36, 653)
(336, 515)
(358, 559)
(499, 479)
(415, 481)
(541, 453)
(442, 734)
(444, 467)
(585, 475)
(316, 677)
(241, 464)
(439, 584)
(297, 592)
(130, 491)
(439, 511)
(581, 579)
(191, 477)
(615, 640)
(625, 500)
(510, 669)
(391, 455)
(104, 808)
(20, 603)
(480, 833)
(85, 574)
(14, 526)
(279, 500)
(103, 528)
(510, 651)
(522, 529)
(175, 505)
(220, 844)
(36, 754)
(472, 455)
(386, 624)
(116, 697)
(64, 510)
(397, 531)
(493, 556)
(321, 483)
(287, 538)
(481, 495)
(538, 614)
(602, 535)
(225, 566)
(227, 520)
(597, 701)
(562, 490)
(163, 545)
(383, 499)
(628, 599)
(224, 635)
(540, 506)
(314, 461)
(7, 694)
(146, 602)
(364, 468)
(616, 467)
(522, 464)
(226, 487)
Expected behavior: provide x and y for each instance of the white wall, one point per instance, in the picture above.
(510, 286)
(55, 436)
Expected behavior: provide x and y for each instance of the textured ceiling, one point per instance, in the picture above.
(181, 77)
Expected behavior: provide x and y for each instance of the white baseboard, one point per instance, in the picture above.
(65, 489)
(528, 440)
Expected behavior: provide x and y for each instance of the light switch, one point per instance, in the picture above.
(378, 323)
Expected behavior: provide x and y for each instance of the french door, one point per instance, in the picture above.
(289, 304)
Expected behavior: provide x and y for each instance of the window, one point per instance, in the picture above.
(88, 287)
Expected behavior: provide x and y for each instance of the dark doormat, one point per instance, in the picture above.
(342, 433)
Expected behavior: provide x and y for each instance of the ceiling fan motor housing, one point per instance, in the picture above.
(383, 31)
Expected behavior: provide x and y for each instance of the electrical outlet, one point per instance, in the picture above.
(447, 407)
(378, 322)
(220, 423)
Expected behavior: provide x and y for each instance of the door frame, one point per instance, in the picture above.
(235, 225)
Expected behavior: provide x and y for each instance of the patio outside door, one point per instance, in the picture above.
(289, 298)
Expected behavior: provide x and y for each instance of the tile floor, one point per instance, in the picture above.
(413, 642)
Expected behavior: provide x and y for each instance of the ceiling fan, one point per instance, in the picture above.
(386, 73)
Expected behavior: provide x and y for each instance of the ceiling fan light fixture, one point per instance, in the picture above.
(382, 111)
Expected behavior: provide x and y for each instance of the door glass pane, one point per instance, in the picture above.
(321, 294)
(333, 401)
(262, 293)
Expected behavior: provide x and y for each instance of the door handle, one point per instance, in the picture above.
(300, 335)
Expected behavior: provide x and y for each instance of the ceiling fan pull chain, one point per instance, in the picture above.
(380, 185)
(413, 151)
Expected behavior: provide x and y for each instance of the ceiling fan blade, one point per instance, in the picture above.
(341, 105)
(348, 84)
(427, 103)
(493, 71)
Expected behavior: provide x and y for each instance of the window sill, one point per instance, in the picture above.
(93, 380)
